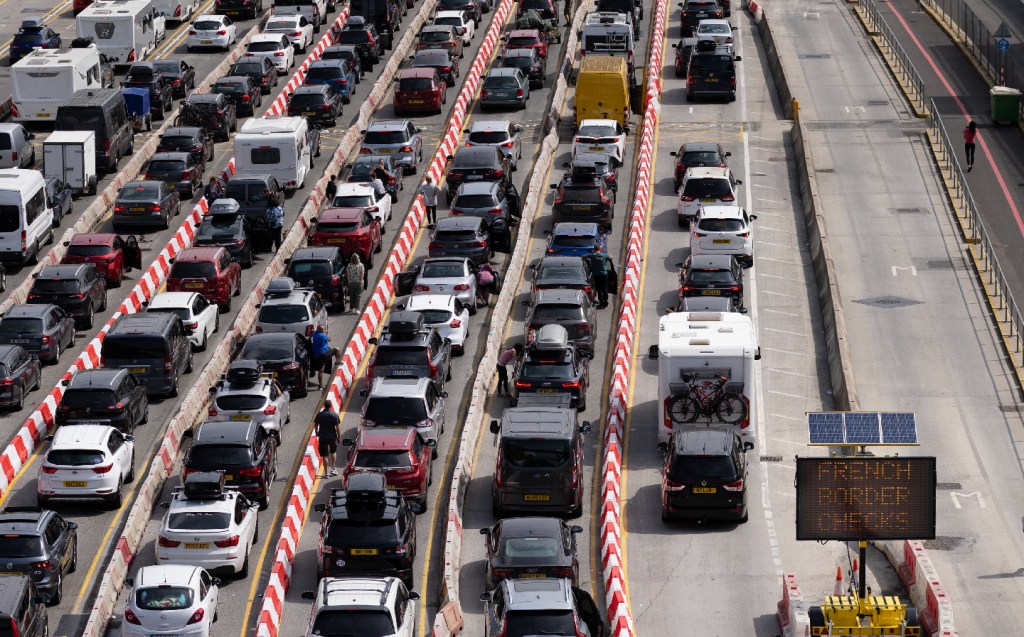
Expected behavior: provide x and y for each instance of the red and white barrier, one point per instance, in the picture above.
(921, 579)
(791, 612)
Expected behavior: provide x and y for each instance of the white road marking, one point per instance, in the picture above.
(785, 351)
(776, 200)
(787, 372)
(782, 393)
(790, 332)
(854, 109)
(956, 498)
(773, 310)
(913, 270)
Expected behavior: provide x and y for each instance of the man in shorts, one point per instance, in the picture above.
(328, 432)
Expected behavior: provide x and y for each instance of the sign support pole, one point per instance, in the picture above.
(862, 575)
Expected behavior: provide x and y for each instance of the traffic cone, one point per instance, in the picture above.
(838, 590)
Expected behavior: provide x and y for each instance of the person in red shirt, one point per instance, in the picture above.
(970, 134)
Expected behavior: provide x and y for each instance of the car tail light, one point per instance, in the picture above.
(522, 384)
(664, 407)
(185, 471)
(129, 617)
(433, 245)
(270, 410)
(118, 208)
(279, 54)
(154, 208)
(259, 329)
(167, 542)
(222, 32)
(727, 198)
(494, 174)
(196, 616)
(480, 244)
(433, 368)
(106, 145)
(186, 174)
(422, 288)
(48, 469)
(231, 541)
(47, 339)
(557, 201)
(455, 323)
(674, 486)
(483, 92)
(246, 98)
(743, 235)
(196, 149)
(296, 34)
(251, 472)
(335, 280)
(104, 469)
(212, 411)
(45, 564)
(494, 211)
(605, 200)
(405, 149)
(508, 144)
(734, 288)
(118, 406)
(690, 81)
(687, 198)
(365, 151)
(291, 367)
(14, 110)
(168, 364)
(571, 385)
(461, 287)
(734, 486)
(456, 174)
(192, 32)
(455, 212)
(699, 234)
(519, 92)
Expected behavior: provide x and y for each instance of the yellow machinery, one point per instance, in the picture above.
(870, 615)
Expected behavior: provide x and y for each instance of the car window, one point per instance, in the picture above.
(115, 442)
(53, 530)
(240, 509)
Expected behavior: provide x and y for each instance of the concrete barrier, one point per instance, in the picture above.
(791, 612)
(771, 52)
(921, 579)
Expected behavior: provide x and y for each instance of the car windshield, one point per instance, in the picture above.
(574, 240)
(714, 27)
(455, 236)
(518, 61)
(388, 356)
(206, 25)
(501, 81)
(56, 286)
(199, 521)
(140, 193)
(182, 313)
(241, 402)
(355, 533)
(700, 64)
(324, 73)
(246, 68)
(265, 47)
(710, 277)
(75, 457)
(701, 158)
(353, 37)
(166, 166)
(690, 468)
(720, 225)
(395, 410)
(283, 314)
(452, 21)
(548, 313)
(541, 371)
(214, 228)
(338, 226)
(267, 350)
(246, 192)
(218, 456)
(434, 317)
(21, 326)
(163, 598)
(560, 272)
(346, 623)
(304, 268)
(87, 397)
(434, 36)
(282, 25)
(308, 100)
(383, 459)
(707, 187)
(352, 201)
(385, 137)
(539, 622)
(415, 84)
(531, 547)
(229, 87)
(193, 270)
(474, 201)
(178, 142)
(583, 194)
(15, 546)
(88, 250)
(539, 453)
(488, 137)
(133, 347)
(167, 67)
(596, 130)
(441, 270)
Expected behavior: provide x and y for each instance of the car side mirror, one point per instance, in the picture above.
(679, 264)
(319, 508)
(484, 597)
(48, 439)
(364, 392)
(65, 382)
(574, 529)
(448, 341)
(585, 427)
(517, 128)
(215, 581)
(414, 595)
(738, 58)
(72, 525)
(347, 442)
(372, 341)
(485, 531)
(165, 505)
(129, 581)
(625, 130)
(430, 443)
(675, 46)
(67, 243)
(553, 186)
(742, 310)
(308, 595)
(662, 447)
(417, 507)
(747, 446)
(465, 131)
(495, 428)
(444, 394)
(652, 352)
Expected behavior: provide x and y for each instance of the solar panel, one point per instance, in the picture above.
(855, 428)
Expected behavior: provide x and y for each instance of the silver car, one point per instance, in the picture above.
(405, 402)
(497, 132)
(486, 200)
(446, 313)
(264, 402)
(398, 138)
(286, 308)
(448, 275)
(504, 87)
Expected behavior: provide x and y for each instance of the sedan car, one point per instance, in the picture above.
(504, 87)
(261, 70)
(165, 597)
(320, 103)
(335, 73)
(499, 133)
(447, 67)
(179, 73)
(440, 36)
(444, 312)
(462, 23)
(531, 547)
(601, 136)
(87, 462)
(724, 230)
(241, 91)
(353, 230)
(444, 275)
(187, 139)
(698, 155)
(20, 373)
(43, 330)
(77, 289)
(212, 31)
(529, 61)
(199, 317)
(33, 34)
(295, 27)
(145, 204)
(111, 255)
(284, 355)
(711, 275)
(180, 171)
(569, 273)
(275, 47)
(402, 454)
(399, 138)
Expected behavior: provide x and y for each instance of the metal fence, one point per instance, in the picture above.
(904, 68)
(1006, 311)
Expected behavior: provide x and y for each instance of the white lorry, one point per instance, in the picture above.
(278, 146)
(126, 31)
(43, 80)
(706, 372)
(71, 157)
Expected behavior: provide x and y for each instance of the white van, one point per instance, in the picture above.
(178, 11)
(278, 146)
(607, 33)
(706, 352)
(25, 221)
(124, 30)
(43, 80)
(314, 10)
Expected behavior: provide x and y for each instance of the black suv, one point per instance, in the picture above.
(187, 139)
(553, 366)
(240, 9)
(76, 289)
(243, 451)
(323, 270)
(583, 199)
(408, 349)
(261, 70)
(210, 111)
(318, 102)
(161, 91)
(104, 397)
(367, 529)
(711, 72)
(693, 11)
(44, 330)
(385, 15)
(477, 163)
(285, 354)
(369, 44)
(229, 229)
(704, 475)
(711, 275)
(242, 91)
(41, 544)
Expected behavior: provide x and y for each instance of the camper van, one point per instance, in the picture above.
(126, 31)
(278, 146)
(45, 79)
(607, 33)
(25, 221)
(314, 10)
(708, 357)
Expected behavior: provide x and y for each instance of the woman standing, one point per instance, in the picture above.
(484, 281)
(356, 283)
(970, 134)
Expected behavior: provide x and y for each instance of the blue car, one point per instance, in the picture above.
(575, 239)
(335, 73)
(33, 34)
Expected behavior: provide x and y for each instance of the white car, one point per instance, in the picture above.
(355, 195)
(170, 600)
(463, 24)
(347, 605)
(263, 401)
(208, 525)
(87, 461)
(600, 136)
(718, 30)
(211, 31)
(448, 275)
(273, 46)
(500, 133)
(296, 28)
(703, 185)
(445, 312)
(723, 230)
(200, 317)
(286, 308)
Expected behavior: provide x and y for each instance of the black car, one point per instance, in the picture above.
(347, 52)
(240, 9)
(568, 273)
(283, 354)
(477, 163)
(178, 72)
(319, 102)
(531, 547)
(243, 451)
(553, 366)
(323, 270)
(693, 11)
(467, 237)
(77, 289)
(367, 42)
(241, 91)
(104, 397)
(180, 171)
(367, 529)
(250, 192)
(711, 72)
(229, 230)
(147, 204)
(44, 330)
(582, 198)
(570, 309)
(698, 155)
(41, 544)
(161, 92)
(210, 111)
(261, 70)
(187, 139)
(383, 15)
(589, 165)
(20, 373)
(704, 475)
(529, 61)
(58, 198)
(711, 275)
(440, 60)
(407, 348)
(472, 8)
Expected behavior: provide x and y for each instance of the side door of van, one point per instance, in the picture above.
(119, 127)
(303, 158)
(182, 349)
(38, 220)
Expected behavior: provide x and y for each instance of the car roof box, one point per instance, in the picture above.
(367, 490)
(244, 372)
(405, 324)
(552, 337)
(536, 399)
(204, 485)
(82, 42)
(280, 286)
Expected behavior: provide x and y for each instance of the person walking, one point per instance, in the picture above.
(323, 355)
(328, 432)
(599, 263)
(970, 135)
(212, 192)
(275, 221)
(430, 192)
(484, 281)
(568, 12)
(330, 190)
(356, 282)
(511, 354)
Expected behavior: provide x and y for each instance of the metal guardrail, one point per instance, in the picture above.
(1005, 308)
(908, 74)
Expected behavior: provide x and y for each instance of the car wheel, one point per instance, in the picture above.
(117, 500)
(103, 303)
(174, 389)
(131, 470)
(202, 344)
(73, 566)
(18, 406)
(225, 307)
(90, 318)
(56, 353)
(216, 322)
(244, 573)
(188, 368)
(3, 279)
(58, 591)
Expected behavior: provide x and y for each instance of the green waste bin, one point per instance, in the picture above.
(1005, 105)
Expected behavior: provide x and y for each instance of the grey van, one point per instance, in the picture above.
(153, 347)
(102, 111)
(540, 461)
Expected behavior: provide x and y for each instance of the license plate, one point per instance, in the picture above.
(165, 635)
(9, 573)
(20, 341)
(596, 148)
(137, 209)
(711, 80)
(245, 417)
(171, 186)
(712, 293)
(474, 177)
(197, 545)
(707, 199)
(194, 286)
(206, 42)
(68, 484)
(532, 575)
(705, 490)
(42, 115)
(581, 208)
(88, 422)
(228, 477)
(401, 372)
(415, 101)
(536, 498)
(309, 113)
(501, 94)
(547, 391)
(722, 241)
(336, 241)
(363, 552)
(382, 151)
(137, 370)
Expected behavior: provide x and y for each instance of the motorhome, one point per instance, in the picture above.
(43, 80)
(607, 33)
(277, 146)
(125, 31)
(709, 357)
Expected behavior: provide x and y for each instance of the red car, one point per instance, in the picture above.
(109, 253)
(527, 39)
(351, 230)
(400, 452)
(419, 89)
(77, 6)
(208, 271)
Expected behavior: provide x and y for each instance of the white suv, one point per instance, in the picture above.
(275, 47)
(243, 395)
(164, 598)
(355, 195)
(87, 461)
(445, 312)
(723, 230)
(286, 308)
(362, 606)
(601, 136)
(705, 186)
(200, 317)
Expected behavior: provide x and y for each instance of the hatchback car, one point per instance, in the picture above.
(208, 271)
(187, 139)
(261, 70)
(445, 275)
(347, 52)
(601, 136)
(179, 73)
(367, 42)
(504, 87)
(145, 204)
(408, 349)
(527, 39)
(461, 237)
(334, 73)
(530, 548)
(477, 163)
(109, 254)
(323, 270)
(440, 36)
(724, 230)
(711, 275)
(698, 155)
(529, 61)
(43, 330)
(112, 397)
(225, 227)
(486, 200)
(381, 602)
(245, 394)
(20, 373)
(240, 9)
(423, 88)
(352, 230)
(460, 21)
(40, 544)
(76, 289)
(444, 312)
(295, 27)
(583, 199)
(285, 356)
(402, 454)
(211, 111)
(705, 186)
(170, 597)
(87, 462)
(499, 133)
(180, 171)
(319, 103)
(575, 240)
(242, 91)
(586, 165)
(544, 606)
(398, 138)
(365, 198)
(214, 31)
(287, 308)
(361, 171)
(199, 317)
(704, 476)
(571, 309)
(33, 34)
(552, 365)
(244, 452)
(568, 273)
